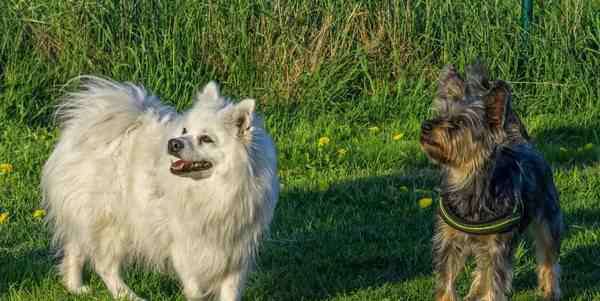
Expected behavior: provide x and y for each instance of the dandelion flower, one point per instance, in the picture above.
(323, 141)
(6, 168)
(4, 217)
(397, 136)
(425, 202)
(341, 152)
(39, 213)
(374, 129)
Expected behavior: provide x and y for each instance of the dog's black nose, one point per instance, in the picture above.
(174, 146)
(426, 127)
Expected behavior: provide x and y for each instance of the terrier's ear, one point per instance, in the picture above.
(450, 85)
(477, 83)
(209, 95)
(496, 104)
(242, 115)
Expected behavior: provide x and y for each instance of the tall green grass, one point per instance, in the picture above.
(347, 226)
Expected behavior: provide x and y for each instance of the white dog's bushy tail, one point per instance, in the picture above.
(98, 114)
(107, 108)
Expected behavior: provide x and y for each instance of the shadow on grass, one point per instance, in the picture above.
(351, 236)
(570, 146)
(346, 237)
(580, 266)
(25, 270)
(581, 272)
(367, 233)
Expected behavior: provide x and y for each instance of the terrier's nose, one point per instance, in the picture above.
(426, 127)
(174, 146)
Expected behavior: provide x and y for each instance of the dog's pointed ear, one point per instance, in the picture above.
(241, 116)
(497, 104)
(210, 95)
(450, 84)
(210, 91)
(477, 82)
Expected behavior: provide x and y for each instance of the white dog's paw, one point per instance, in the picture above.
(80, 290)
(129, 296)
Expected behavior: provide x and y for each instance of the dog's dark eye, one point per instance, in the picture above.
(453, 126)
(204, 139)
(458, 123)
(184, 131)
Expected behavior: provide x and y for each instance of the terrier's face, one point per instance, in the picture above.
(469, 121)
(453, 140)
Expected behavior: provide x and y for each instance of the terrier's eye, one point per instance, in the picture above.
(184, 131)
(453, 126)
(204, 139)
(459, 123)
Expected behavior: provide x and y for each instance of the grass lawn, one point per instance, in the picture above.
(362, 73)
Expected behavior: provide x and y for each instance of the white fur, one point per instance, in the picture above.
(110, 195)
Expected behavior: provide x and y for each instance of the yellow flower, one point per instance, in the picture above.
(374, 129)
(6, 168)
(39, 213)
(4, 217)
(563, 149)
(323, 141)
(425, 202)
(341, 152)
(398, 136)
(588, 146)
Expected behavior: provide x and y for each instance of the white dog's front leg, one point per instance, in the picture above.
(232, 286)
(191, 287)
(109, 271)
(192, 291)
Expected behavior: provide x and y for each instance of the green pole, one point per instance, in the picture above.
(526, 14)
(526, 17)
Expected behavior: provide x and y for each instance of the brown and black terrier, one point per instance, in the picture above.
(495, 186)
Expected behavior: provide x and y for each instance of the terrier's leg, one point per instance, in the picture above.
(495, 262)
(479, 280)
(547, 244)
(449, 259)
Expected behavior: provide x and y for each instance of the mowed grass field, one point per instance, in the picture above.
(348, 225)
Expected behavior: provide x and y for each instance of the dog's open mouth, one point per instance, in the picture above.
(183, 166)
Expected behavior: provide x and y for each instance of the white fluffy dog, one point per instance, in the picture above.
(131, 179)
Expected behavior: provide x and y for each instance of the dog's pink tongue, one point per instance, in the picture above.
(179, 164)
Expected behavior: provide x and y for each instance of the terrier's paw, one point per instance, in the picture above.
(551, 295)
(472, 298)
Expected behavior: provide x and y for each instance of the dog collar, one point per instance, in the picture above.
(498, 225)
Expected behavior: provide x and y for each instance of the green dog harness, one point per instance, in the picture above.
(499, 225)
